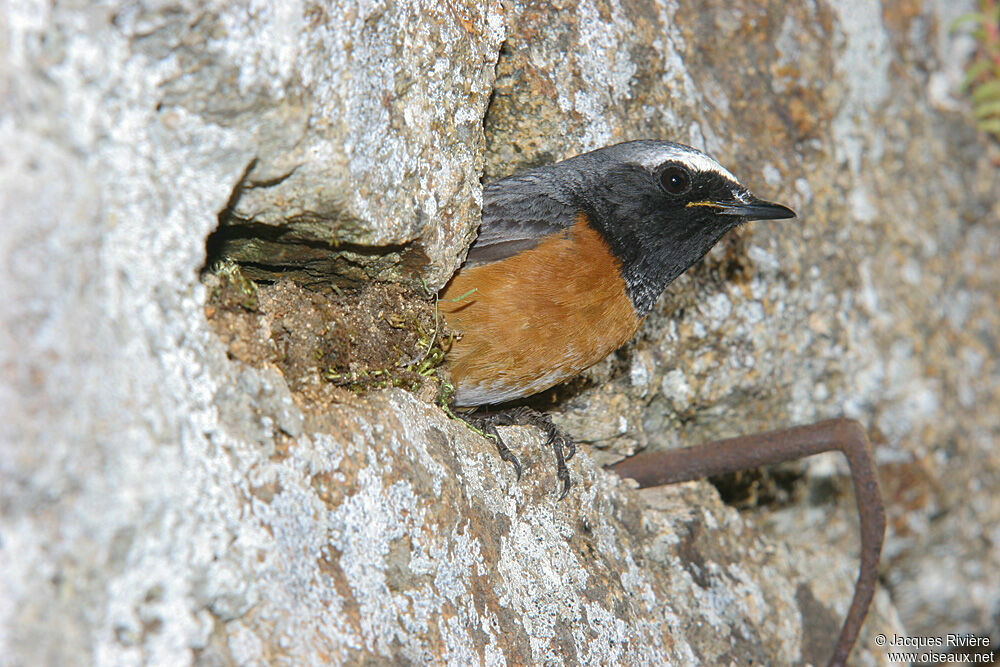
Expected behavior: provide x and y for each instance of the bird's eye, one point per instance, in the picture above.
(675, 180)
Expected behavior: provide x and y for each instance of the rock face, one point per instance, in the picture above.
(362, 124)
(164, 502)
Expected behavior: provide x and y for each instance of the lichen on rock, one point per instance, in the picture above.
(168, 497)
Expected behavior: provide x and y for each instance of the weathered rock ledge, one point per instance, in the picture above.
(161, 502)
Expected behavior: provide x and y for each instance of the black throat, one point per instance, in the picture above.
(655, 243)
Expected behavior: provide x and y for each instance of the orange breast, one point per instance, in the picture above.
(537, 318)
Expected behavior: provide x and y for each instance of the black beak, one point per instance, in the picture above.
(757, 209)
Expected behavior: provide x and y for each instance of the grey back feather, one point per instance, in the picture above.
(520, 210)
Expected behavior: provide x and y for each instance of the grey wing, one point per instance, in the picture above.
(518, 212)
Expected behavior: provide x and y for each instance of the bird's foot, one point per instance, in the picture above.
(486, 424)
(562, 445)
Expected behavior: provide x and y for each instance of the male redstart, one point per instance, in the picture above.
(571, 257)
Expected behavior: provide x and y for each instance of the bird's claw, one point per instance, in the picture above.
(563, 446)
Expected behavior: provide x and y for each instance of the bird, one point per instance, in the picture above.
(569, 260)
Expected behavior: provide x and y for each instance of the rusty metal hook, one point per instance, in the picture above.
(750, 451)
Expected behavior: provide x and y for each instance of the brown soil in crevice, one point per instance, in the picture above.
(329, 345)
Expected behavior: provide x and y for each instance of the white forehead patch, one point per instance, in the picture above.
(694, 159)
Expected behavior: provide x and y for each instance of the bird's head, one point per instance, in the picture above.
(661, 206)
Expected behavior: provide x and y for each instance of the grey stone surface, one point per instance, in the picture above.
(879, 302)
(362, 122)
(161, 503)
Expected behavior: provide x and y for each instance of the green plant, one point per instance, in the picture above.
(234, 288)
(431, 345)
(982, 78)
